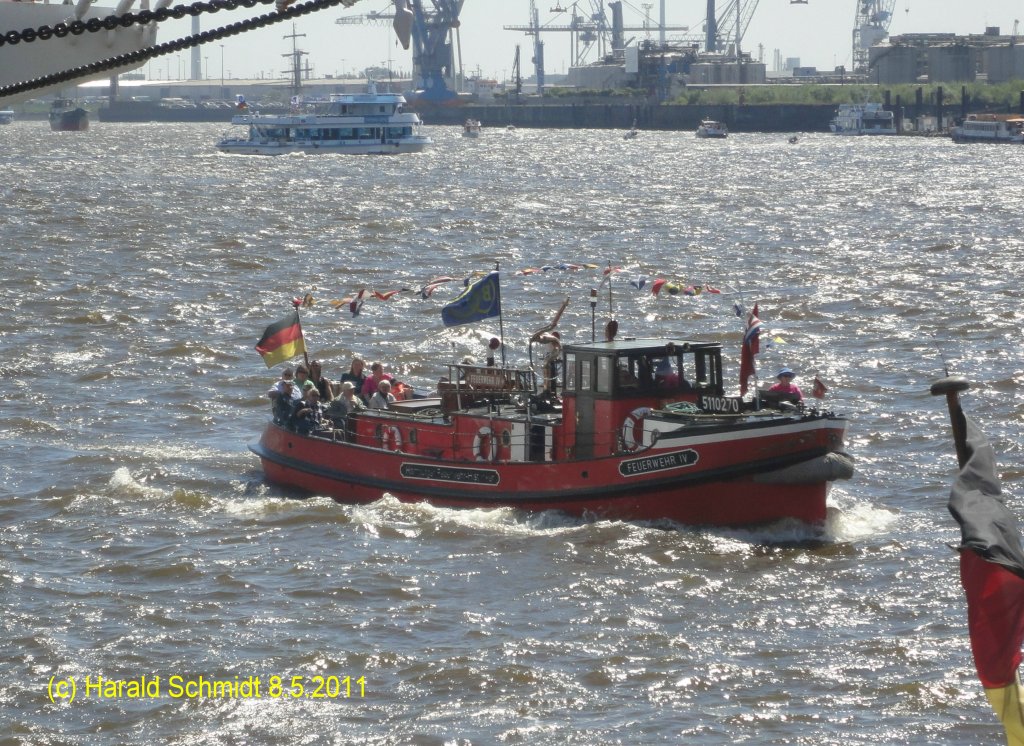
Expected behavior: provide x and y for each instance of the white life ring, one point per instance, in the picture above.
(630, 441)
(485, 444)
(391, 438)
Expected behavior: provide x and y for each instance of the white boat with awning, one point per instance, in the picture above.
(863, 119)
(989, 128)
(363, 123)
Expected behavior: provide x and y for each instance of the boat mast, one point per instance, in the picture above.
(501, 325)
(296, 55)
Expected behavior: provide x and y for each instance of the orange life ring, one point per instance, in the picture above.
(630, 441)
(391, 438)
(485, 445)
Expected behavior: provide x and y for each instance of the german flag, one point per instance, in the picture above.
(992, 574)
(282, 340)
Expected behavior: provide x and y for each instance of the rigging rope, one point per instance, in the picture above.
(94, 25)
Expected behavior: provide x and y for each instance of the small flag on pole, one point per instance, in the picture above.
(751, 346)
(282, 340)
(992, 574)
(480, 300)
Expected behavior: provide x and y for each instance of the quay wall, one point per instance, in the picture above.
(738, 118)
(746, 118)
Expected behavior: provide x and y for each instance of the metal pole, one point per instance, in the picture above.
(501, 325)
(593, 314)
(951, 386)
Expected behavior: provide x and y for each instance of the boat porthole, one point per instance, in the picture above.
(506, 438)
(585, 474)
(412, 436)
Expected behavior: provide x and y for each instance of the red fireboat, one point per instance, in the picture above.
(630, 429)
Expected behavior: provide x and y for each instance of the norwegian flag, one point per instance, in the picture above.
(751, 346)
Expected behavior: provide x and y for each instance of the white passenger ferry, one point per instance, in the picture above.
(370, 122)
(991, 128)
(863, 119)
(711, 128)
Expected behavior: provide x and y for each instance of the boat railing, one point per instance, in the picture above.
(467, 385)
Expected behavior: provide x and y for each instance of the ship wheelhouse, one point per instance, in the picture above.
(608, 385)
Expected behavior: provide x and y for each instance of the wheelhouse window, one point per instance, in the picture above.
(585, 375)
(570, 372)
(604, 375)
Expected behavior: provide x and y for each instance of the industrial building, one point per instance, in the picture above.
(947, 58)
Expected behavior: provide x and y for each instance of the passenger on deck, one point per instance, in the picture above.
(665, 376)
(282, 402)
(610, 330)
(786, 385)
(550, 359)
(401, 391)
(347, 403)
(302, 381)
(356, 374)
(382, 398)
(625, 377)
(321, 383)
(308, 414)
(286, 377)
(377, 375)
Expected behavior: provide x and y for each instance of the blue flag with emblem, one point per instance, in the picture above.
(481, 300)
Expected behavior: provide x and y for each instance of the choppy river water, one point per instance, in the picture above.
(138, 538)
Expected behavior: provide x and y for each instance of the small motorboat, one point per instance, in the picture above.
(713, 129)
(66, 116)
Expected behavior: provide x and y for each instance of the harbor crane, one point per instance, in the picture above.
(870, 27)
(728, 25)
(434, 36)
(589, 29)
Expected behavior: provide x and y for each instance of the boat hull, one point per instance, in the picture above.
(858, 132)
(74, 120)
(961, 136)
(863, 119)
(703, 481)
(246, 147)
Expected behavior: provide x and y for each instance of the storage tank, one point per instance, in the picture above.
(705, 73)
(894, 63)
(952, 63)
(1004, 63)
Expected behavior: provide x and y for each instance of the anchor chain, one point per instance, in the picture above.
(94, 25)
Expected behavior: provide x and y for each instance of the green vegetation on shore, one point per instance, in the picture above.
(983, 96)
